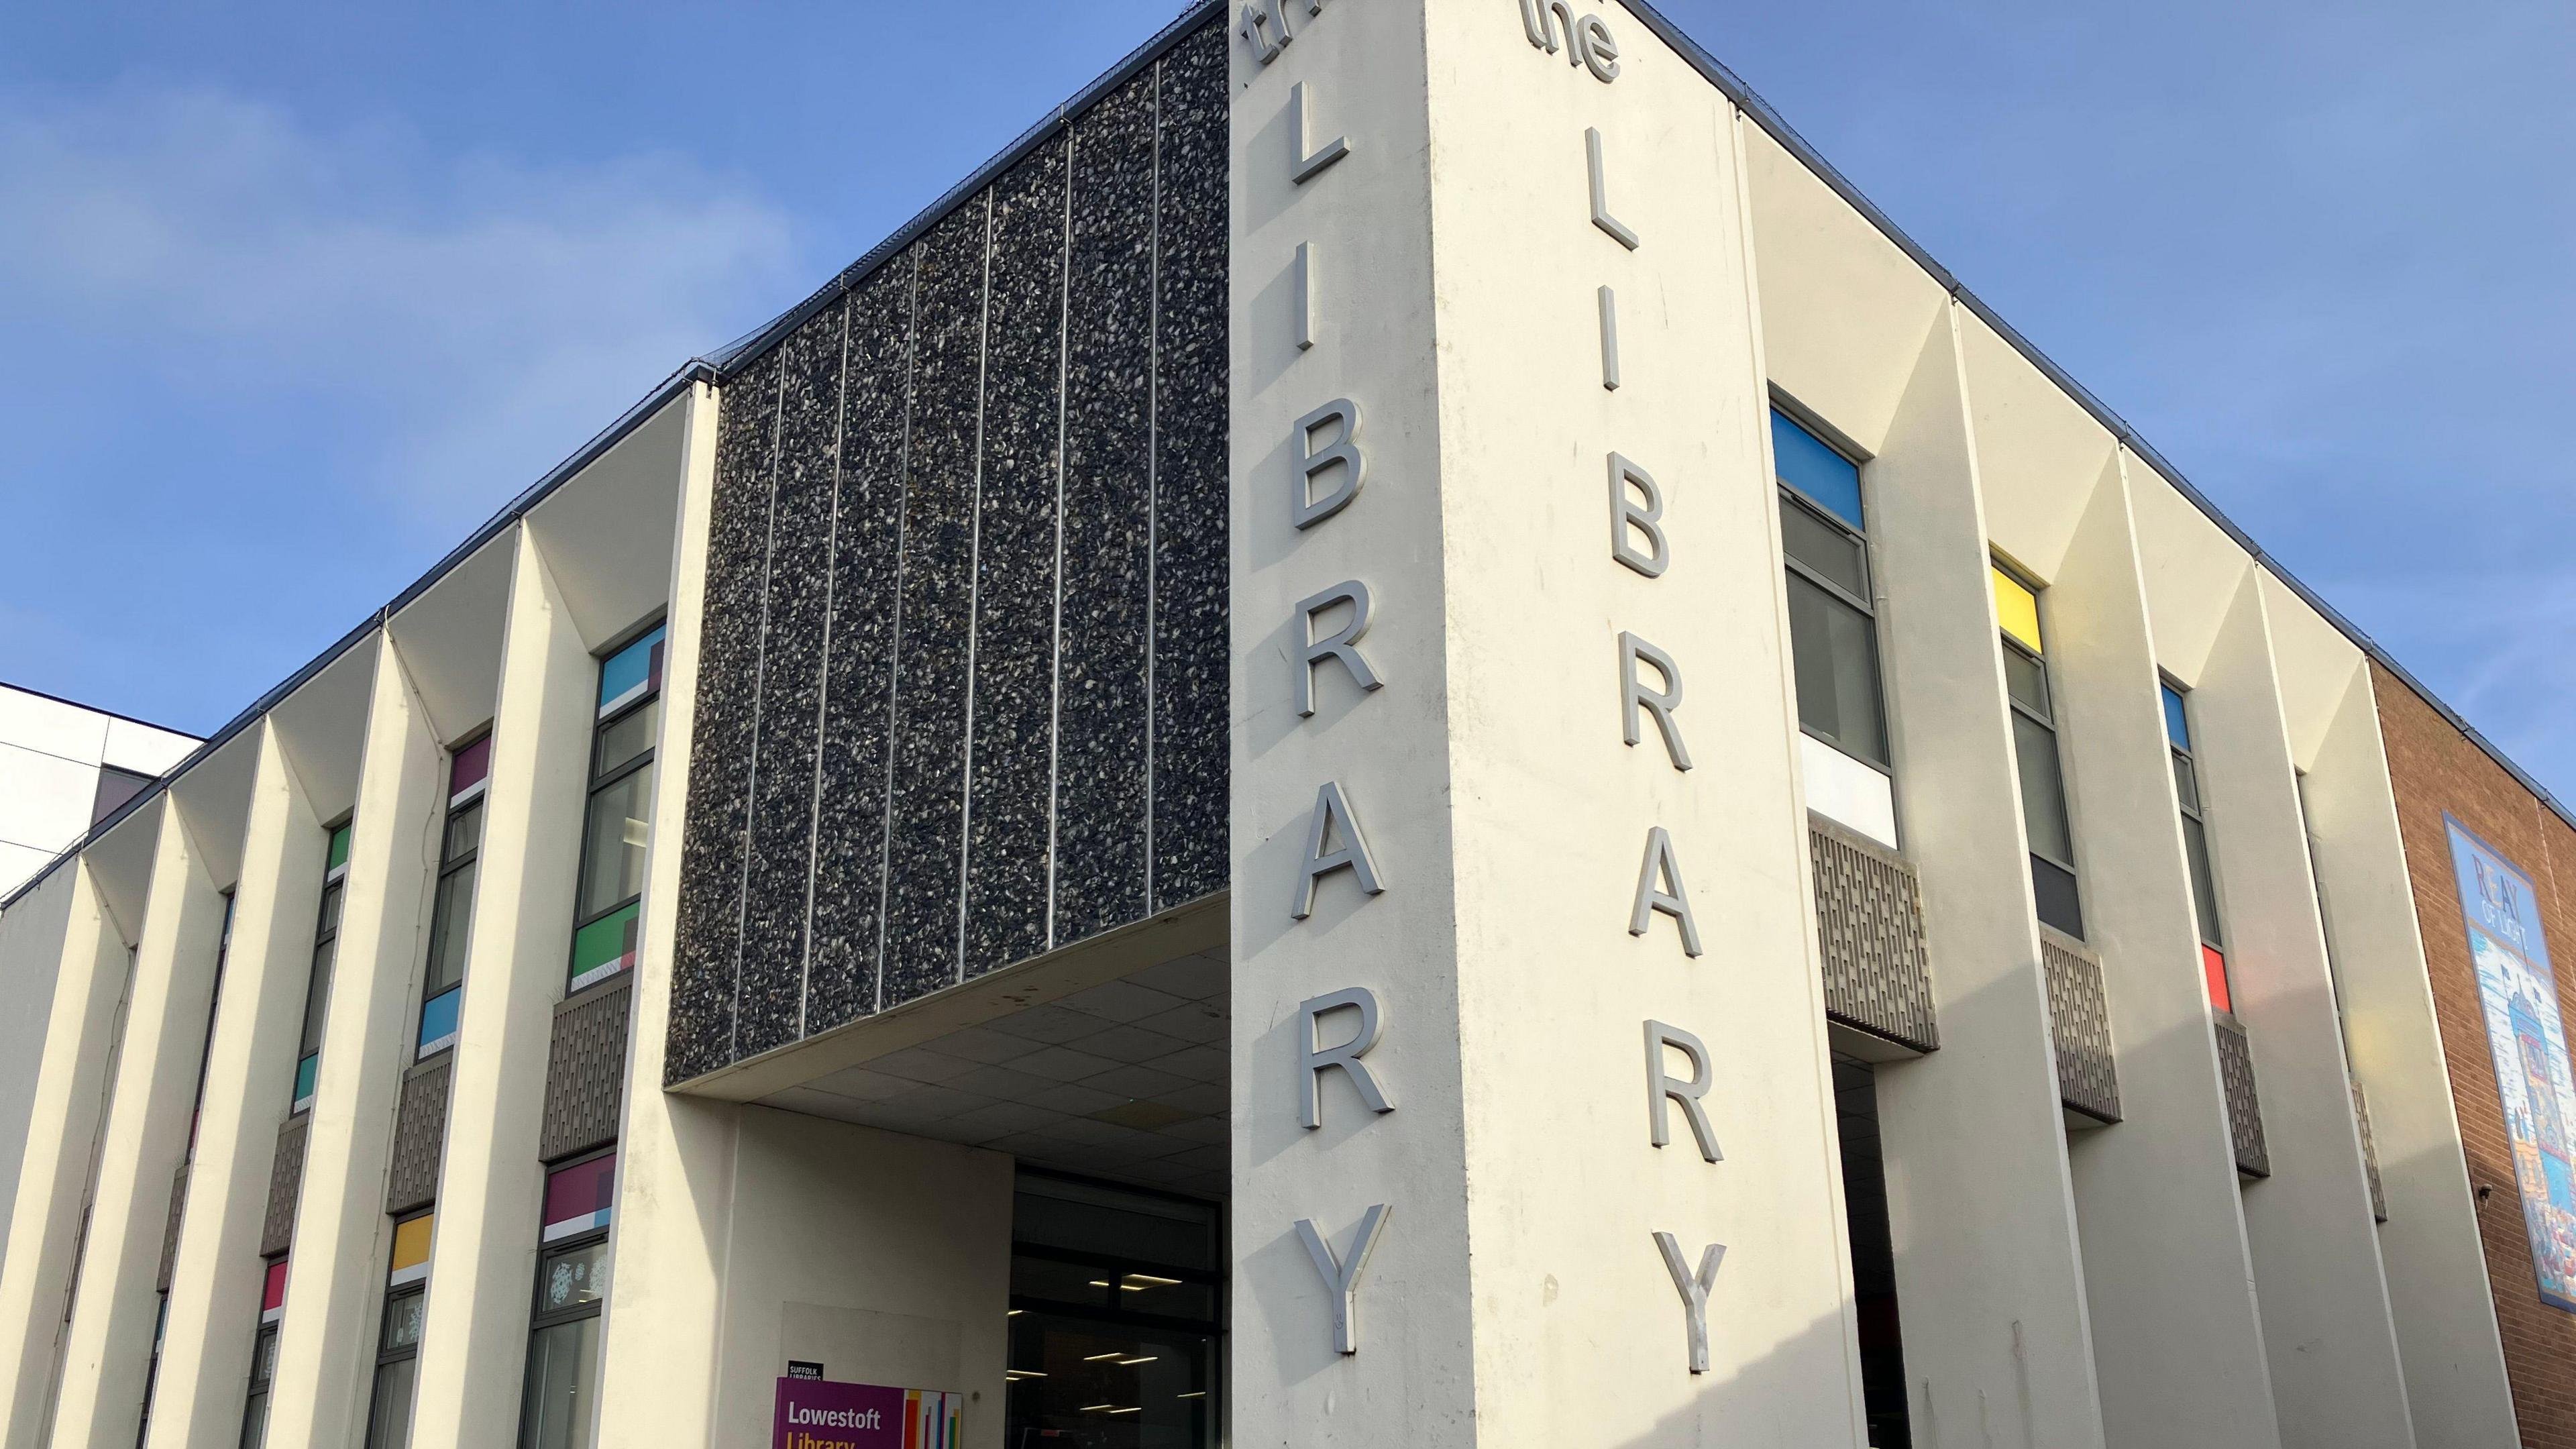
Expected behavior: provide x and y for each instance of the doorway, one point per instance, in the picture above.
(1117, 1318)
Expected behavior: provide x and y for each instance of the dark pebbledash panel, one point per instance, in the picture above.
(962, 689)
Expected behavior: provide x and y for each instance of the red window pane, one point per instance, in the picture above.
(273, 1293)
(2214, 968)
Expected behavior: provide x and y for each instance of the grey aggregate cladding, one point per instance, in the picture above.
(770, 997)
(849, 838)
(937, 694)
(927, 808)
(1007, 847)
(708, 938)
(1101, 740)
(1190, 509)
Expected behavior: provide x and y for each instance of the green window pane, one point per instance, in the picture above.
(339, 852)
(606, 943)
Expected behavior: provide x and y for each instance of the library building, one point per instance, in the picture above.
(1402, 737)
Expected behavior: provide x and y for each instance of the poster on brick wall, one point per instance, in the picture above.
(2528, 1041)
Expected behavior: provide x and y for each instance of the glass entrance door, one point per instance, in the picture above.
(1116, 1316)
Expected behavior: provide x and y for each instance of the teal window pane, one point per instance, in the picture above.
(307, 1072)
(631, 672)
(1827, 478)
(2177, 725)
(438, 1018)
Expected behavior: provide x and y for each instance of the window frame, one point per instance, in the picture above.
(326, 932)
(2038, 658)
(479, 798)
(2196, 811)
(594, 784)
(255, 1398)
(386, 1357)
(539, 1319)
(1835, 443)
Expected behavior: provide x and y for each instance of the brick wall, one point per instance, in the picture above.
(2436, 769)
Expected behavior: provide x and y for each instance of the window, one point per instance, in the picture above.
(619, 820)
(1843, 750)
(398, 1344)
(1832, 626)
(572, 1281)
(263, 1354)
(2195, 844)
(451, 919)
(2043, 777)
(115, 787)
(326, 946)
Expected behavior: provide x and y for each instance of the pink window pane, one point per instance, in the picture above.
(273, 1293)
(469, 767)
(582, 1193)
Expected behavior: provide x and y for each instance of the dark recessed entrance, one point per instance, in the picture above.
(1117, 1311)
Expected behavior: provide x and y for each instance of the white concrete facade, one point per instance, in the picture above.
(1512, 173)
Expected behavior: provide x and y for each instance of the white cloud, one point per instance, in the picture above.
(481, 314)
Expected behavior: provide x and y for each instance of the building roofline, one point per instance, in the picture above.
(733, 357)
(713, 368)
(1751, 103)
(697, 370)
(724, 363)
(94, 709)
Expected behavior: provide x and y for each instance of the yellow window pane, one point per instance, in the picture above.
(411, 1241)
(2018, 610)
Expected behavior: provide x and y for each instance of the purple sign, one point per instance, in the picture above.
(818, 1414)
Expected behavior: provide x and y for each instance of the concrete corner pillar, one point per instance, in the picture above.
(2336, 1380)
(109, 1342)
(1989, 1275)
(250, 1066)
(2178, 1344)
(2430, 1249)
(54, 1176)
(336, 1279)
(1480, 1241)
(660, 1340)
(490, 1182)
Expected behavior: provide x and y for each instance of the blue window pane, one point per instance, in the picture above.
(438, 1018)
(2177, 728)
(1828, 479)
(631, 672)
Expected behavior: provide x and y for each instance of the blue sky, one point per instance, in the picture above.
(295, 294)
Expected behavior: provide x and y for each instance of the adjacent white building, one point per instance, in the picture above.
(63, 768)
